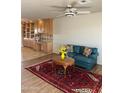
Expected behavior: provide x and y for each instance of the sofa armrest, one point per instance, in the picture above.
(71, 54)
(93, 56)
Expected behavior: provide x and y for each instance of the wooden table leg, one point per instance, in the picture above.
(65, 67)
(53, 67)
(73, 68)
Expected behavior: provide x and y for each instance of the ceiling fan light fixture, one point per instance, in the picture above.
(70, 14)
(69, 6)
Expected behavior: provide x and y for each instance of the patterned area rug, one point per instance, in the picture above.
(77, 80)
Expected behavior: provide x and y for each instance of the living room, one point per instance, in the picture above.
(82, 60)
(62, 46)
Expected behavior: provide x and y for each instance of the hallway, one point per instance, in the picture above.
(29, 54)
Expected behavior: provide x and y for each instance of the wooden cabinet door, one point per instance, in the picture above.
(25, 43)
(48, 26)
(44, 47)
(41, 48)
(49, 47)
(39, 26)
(38, 47)
(51, 26)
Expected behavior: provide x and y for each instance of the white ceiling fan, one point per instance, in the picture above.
(71, 9)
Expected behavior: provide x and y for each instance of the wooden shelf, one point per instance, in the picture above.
(28, 29)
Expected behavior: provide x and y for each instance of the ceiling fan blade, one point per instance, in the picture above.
(60, 16)
(62, 7)
(73, 3)
(62, 10)
(82, 7)
(68, 2)
(83, 12)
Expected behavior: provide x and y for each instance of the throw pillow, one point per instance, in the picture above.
(76, 49)
(87, 51)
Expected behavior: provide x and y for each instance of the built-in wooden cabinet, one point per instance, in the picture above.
(45, 30)
(38, 35)
(29, 43)
(28, 29)
(47, 47)
(37, 46)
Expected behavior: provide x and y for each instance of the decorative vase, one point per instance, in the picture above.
(62, 56)
(63, 52)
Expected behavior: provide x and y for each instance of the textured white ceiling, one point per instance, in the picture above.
(34, 9)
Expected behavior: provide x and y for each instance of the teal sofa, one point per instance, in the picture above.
(81, 60)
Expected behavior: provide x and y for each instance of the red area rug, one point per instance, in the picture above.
(77, 80)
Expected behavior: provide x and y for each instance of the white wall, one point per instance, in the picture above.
(80, 30)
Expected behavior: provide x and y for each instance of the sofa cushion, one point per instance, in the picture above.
(71, 54)
(76, 49)
(81, 49)
(84, 58)
(94, 56)
(84, 64)
(94, 50)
